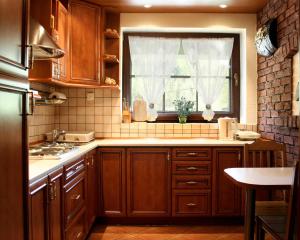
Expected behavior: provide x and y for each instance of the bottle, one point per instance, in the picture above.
(139, 110)
(126, 115)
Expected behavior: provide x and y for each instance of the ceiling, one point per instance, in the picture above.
(185, 6)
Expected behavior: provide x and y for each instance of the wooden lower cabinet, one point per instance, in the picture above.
(77, 229)
(226, 195)
(148, 182)
(112, 182)
(191, 203)
(38, 210)
(54, 205)
(45, 208)
(92, 189)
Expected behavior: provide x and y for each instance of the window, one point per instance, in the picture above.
(171, 75)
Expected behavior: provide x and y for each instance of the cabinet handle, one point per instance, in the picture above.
(92, 160)
(168, 156)
(29, 107)
(78, 235)
(191, 182)
(192, 168)
(51, 191)
(192, 154)
(75, 197)
(191, 204)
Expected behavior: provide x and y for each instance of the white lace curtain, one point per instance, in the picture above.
(210, 59)
(153, 60)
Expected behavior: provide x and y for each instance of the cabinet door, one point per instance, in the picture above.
(55, 205)
(63, 41)
(38, 210)
(226, 195)
(13, 40)
(91, 189)
(84, 48)
(148, 182)
(13, 167)
(112, 181)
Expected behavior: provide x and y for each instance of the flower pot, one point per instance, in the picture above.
(182, 119)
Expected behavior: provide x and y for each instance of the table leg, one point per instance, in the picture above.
(250, 214)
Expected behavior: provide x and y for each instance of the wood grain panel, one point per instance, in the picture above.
(226, 195)
(84, 42)
(148, 182)
(112, 181)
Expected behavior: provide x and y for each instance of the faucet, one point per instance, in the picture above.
(56, 134)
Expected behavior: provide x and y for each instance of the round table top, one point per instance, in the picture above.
(257, 178)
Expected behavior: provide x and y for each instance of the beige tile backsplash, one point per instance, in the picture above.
(103, 115)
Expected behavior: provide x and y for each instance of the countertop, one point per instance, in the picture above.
(40, 168)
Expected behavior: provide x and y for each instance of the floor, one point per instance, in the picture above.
(101, 232)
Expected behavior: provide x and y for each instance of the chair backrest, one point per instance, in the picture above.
(264, 153)
(292, 208)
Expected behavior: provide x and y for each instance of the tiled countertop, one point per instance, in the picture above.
(40, 168)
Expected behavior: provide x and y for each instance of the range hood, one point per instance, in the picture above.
(42, 45)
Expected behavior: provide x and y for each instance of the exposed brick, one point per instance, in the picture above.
(275, 120)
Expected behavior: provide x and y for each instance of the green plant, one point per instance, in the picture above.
(183, 107)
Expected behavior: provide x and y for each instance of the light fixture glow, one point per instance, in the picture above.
(223, 6)
(147, 6)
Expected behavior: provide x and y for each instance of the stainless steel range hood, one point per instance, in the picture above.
(42, 45)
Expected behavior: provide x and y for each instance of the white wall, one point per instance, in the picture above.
(245, 24)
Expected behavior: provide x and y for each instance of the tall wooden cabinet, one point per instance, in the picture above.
(226, 195)
(112, 182)
(84, 43)
(148, 182)
(13, 164)
(14, 37)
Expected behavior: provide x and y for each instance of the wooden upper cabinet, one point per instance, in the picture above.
(112, 182)
(13, 40)
(84, 43)
(62, 39)
(148, 182)
(226, 195)
(54, 17)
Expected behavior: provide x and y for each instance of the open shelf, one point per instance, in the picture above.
(111, 34)
(110, 58)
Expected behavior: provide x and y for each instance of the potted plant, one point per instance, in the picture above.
(183, 108)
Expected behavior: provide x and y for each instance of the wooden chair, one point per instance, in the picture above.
(266, 153)
(281, 227)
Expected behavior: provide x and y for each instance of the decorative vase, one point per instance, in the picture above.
(182, 119)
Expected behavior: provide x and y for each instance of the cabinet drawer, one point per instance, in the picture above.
(194, 154)
(77, 230)
(191, 203)
(73, 169)
(74, 197)
(191, 167)
(191, 182)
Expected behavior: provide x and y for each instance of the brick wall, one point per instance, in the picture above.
(275, 120)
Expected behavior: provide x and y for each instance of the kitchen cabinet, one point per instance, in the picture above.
(112, 182)
(55, 217)
(226, 195)
(55, 19)
(38, 210)
(13, 41)
(45, 208)
(191, 182)
(13, 164)
(92, 189)
(85, 40)
(149, 182)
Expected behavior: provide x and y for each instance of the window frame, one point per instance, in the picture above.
(197, 116)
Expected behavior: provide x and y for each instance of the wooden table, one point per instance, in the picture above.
(253, 179)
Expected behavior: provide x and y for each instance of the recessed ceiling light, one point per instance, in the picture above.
(147, 6)
(223, 6)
